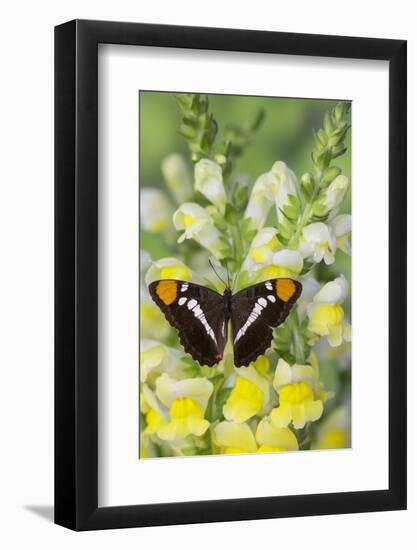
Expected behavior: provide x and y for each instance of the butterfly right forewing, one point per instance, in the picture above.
(256, 311)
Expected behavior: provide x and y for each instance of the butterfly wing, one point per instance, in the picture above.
(256, 311)
(198, 315)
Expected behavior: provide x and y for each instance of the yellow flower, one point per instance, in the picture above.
(152, 321)
(272, 439)
(244, 402)
(187, 401)
(296, 405)
(168, 268)
(334, 431)
(234, 438)
(154, 421)
(186, 417)
(297, 401)
(284, 263)
(157, 357)
(326, 315)
(250, 394)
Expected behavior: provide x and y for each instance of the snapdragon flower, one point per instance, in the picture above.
(326, 315)
(298, 404)
(284, 263)
(342, 228)
(273, 187)
(336, 192)
(334, 431)
(187, 401)
(274, 440)
(318, 243)
(198, 225)
(209, 182)
(155, 356)
(177, 177)
(250, 394)
(155, 210)
(235, 438)
(168, 268)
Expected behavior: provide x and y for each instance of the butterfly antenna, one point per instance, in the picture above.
(228, 275)
(213, 268)
(236, 276)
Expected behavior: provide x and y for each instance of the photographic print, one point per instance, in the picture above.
(245, 274)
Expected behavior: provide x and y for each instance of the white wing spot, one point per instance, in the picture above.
(271, 298)
(182, 301)
(184, 287)
(268, 285)
(199, 314)
(256, 311)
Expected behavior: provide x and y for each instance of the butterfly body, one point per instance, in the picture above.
(201, 316)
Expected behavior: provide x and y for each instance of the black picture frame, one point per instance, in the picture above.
(76, 272)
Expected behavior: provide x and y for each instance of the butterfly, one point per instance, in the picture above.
(201, 316)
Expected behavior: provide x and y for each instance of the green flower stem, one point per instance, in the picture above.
(298, 341)
(306, 215)
(238, 246)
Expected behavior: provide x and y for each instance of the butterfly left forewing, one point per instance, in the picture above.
(198, 315)
(256, 310)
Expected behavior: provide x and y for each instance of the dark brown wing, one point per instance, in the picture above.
(256, 311)
(198, 315)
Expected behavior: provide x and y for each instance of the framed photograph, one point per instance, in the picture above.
(230, 275)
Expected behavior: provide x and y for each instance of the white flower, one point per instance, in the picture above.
(262, 249)
(272, 187)
(284, 263)
(310, 289)
(176, 175)
(342, 228)
(198, 225)
(260, 201)
(336, 192)
(286, 184)
(209, 181)
(155, 210)
(318, 242)
(326, 315)
(145, 260)
(168, 268)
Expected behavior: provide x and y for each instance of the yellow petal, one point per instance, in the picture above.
(313, 410)
(269, 435)
(268, 449)
(234, 435)
(154, 421)
(298, 414)
(245, 400)
(281, 416)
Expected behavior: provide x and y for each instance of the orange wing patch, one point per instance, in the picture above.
(167, 291)
(285, 289)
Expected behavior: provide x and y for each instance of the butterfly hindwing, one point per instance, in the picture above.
(198, 315)
(255, 311)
